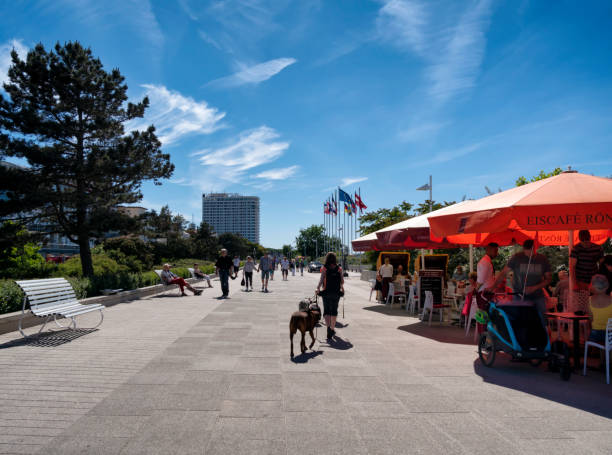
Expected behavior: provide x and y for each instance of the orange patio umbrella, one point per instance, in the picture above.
(563, 203)
(549, 210)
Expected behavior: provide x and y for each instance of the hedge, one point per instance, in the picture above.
(11, 296)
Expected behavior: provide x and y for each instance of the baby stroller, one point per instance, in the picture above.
(517, 330)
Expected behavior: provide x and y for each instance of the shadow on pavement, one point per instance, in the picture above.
(340, 344)
(49, 339)
(441, 333)
(340, 325)
(306, 356)
(384, 309)
(590, 394)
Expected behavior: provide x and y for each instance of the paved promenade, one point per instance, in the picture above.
(196, 375)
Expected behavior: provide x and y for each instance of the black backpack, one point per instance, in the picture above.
(333, 280)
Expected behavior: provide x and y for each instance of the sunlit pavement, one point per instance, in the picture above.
(199, 375)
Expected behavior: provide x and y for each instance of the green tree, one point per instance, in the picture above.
(381, 218)
(429, 206)
(541, 176)
(235, 245)
(206, 244)
(288, 251)
(65, 115)
(311, 240)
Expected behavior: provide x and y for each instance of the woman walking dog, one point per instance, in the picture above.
(332, 282)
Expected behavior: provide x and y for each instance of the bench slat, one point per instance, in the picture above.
(45, 280)
(59, 309)
(39, 285)
(84, 309)
(53, 296)
(43, 302)
(34, 293)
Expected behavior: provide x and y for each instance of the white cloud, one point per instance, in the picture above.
(459, 64)
(209, 39)
(252, 148)
(352, 180)
(402, 23)
(278, 174)
(452, 49)
(254, 74)
(175, 115)
(5, 57)
(421, 131)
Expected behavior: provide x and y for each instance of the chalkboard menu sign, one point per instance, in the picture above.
(431, 280)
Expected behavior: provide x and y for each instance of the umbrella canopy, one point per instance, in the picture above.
(415, 232)
(366, 242)
(568, 201)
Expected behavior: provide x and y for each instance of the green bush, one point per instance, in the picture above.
(11, 296)
(25, 262)
(102, 264)
(80, 286)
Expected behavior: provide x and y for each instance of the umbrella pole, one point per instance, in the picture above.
(570, 244)
(471, 258)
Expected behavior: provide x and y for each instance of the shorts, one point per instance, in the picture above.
(330, 305)
(265, 274)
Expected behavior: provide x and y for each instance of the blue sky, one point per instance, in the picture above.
(287, 99)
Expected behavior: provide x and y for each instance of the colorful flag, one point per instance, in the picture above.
(353, 207)
(360, 203)
(344, 196)
(347, 209)
(334, 209)
(326, 208)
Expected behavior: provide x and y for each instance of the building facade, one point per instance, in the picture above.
(230, 212)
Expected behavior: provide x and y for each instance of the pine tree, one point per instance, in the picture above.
(65, 115)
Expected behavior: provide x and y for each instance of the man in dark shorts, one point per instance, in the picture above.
(265, 266)
(584, 261)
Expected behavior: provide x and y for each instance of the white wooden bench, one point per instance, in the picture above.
(53, 298)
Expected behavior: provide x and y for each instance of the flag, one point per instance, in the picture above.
(353, 207)
(423, 187)
(360, 203)
(347, 209)
(344, 196)
(334, 209)
(326, 208)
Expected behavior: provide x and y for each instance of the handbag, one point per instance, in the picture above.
(242, 282)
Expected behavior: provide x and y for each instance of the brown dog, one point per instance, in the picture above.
(304, 321)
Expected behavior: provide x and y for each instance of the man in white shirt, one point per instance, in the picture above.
(386, 273)
(485, 269)
(285, 268)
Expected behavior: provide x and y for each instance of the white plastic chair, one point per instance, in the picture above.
(606, 348)
(393, 294)
(451, 297)
(411, 304)
(372, 284)
(429, 306)
(472, 317)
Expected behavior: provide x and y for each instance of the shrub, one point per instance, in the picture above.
(80, 286)
(25, 262)
(11, 296)
(102, 264)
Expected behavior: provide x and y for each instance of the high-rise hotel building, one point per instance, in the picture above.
(230, 212)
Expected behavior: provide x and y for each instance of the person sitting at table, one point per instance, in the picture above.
(605, 269)
(459, 275)
(472, 282)
(561, 290)
(386, 274)
(472, 286)
(600, 308)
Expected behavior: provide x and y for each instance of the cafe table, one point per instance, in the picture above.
(576, 330)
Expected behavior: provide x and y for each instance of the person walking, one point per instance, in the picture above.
(331, 288)
(284, 268)
(247, 272)
(171, 278)
(236, 264)
(224, 268)
(302, 266)
(293, 267)
(265, 266)
(272, 266)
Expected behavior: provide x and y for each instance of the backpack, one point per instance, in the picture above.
(333, 280)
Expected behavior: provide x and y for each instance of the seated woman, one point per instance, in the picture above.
(198, 274)
(600, 308)
(472, 280)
